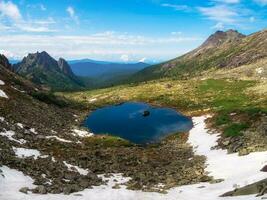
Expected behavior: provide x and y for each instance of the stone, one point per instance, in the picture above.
(216, 181)
(116, 186)
(40, 189)
(264, 169)
(146, 113)
(24, 190)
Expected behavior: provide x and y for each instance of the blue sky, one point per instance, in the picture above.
(121, 30)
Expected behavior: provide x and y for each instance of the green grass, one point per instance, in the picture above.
(222, 119)
(235, 129)
(192, 97)
(107, 141)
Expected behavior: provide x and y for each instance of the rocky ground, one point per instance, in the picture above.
(253, 138)
(52, 173)
(44, 129)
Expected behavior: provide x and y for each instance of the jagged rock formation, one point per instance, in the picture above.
(4, 62)
(42, 69)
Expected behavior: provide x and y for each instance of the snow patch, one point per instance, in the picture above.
(20, 125)
(58, 138)
(24, 153)
(17, 89)
(11, 183)
(33, 131)
(234, 173)
(10, 134)
(2, 119)
(82, 133)
(76, 168)
(2, 82)
(3, 94)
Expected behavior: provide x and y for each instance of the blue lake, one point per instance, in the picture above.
(139, 123)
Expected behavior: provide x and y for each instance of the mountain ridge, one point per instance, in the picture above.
(227, 49)
(42, 69)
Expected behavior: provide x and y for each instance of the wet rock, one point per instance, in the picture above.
(24, 190)
(146, 113)
(116, 186)
(216, 181)
(40, 190)
(264, 169)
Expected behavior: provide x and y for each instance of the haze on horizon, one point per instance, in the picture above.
(122, 30)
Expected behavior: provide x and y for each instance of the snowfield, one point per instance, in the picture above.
(82, 133)
(76, 169)
(3, 94)
(2, 82)
(24, 153)
(235, 170)
(10, 134)
(58, 138)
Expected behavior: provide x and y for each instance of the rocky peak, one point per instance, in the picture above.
(221, 37)
(41, 60)
(4, 62)
(64, 67)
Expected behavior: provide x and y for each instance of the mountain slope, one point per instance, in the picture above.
(42, 69)
(94, 69)
(221, 50)
(99, 74)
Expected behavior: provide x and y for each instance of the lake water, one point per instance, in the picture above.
(139, 123)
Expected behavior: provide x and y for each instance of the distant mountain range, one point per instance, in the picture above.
(97, 74)
(89, 68)
(44, 70)
(227, 49)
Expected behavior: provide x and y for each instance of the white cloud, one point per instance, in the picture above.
(37, 29)
(228, 1)
(70, 10)
(261, 2)
(7, 53)
(176, 33)
(177, 7)
(218, 26)
(10, 13)
(252, 19)
(108, 45)
(42, 7)
(124, 58)
(220, 13)
(37, 6)
(10, 10)
(142, 60)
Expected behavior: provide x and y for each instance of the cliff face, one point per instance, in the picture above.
(4, 62)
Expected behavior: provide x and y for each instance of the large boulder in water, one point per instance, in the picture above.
(146, 113)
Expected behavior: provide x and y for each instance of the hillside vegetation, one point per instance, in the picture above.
(228, 49)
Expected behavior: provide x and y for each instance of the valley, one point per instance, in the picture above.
(224, 94)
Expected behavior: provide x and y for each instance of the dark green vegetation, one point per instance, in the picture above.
(221, 50)
(191, 96)
(43, 70)
(235, 129)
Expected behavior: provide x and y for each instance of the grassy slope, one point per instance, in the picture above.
(57, 81)
(193, 97)
(232, 54)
